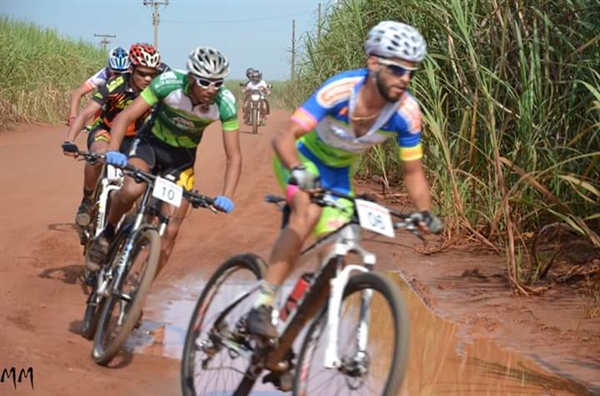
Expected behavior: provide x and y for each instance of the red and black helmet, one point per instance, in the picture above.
(141, 54)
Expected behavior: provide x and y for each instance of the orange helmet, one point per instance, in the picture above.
(144, 55)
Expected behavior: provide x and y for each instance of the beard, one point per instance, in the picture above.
(385, 90)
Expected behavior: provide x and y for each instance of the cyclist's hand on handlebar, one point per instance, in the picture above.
(303, 178)
(224, 204)
(70, 148)
(429, 222)
(116, 158)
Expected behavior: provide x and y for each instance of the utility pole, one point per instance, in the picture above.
(156, 16)
(105, 40)
(293, 50)
(319, 23)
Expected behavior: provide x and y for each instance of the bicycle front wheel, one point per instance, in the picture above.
(216, 354)
(123, 307)
(373, 351)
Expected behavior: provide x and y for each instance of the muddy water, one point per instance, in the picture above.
(442, 361)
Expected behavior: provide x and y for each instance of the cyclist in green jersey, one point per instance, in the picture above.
(185, 104)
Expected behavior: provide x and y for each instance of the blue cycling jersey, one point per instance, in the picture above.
(331, 139)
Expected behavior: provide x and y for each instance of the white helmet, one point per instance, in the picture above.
(390, 39)
(208, 62)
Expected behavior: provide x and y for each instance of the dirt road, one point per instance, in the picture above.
(41, 298)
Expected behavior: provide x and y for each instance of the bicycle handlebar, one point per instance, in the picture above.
(410, 221)
(196, 200)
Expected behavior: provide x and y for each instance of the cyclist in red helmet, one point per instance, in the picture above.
(110, 100)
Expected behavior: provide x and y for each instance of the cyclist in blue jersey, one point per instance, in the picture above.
(118, 63)
(351, 112)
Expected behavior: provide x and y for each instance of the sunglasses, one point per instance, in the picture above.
(205, 83)
(396, 69)
(145, 74)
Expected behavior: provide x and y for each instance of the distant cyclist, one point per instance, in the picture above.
(256, 83)
(186, 104)
(111, 98)
(118, 62)
(351, 112)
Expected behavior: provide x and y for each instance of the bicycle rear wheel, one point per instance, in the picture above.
(208, 365)
(376, 370)
(123, 306)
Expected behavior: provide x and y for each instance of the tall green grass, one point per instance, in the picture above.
(510, 96)
(38, 71)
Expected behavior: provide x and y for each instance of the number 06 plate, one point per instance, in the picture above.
(167, 191)
(374, 218)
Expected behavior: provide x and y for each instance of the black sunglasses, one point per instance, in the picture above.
(145, 74)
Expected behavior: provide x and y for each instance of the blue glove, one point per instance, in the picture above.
(225, 204)
(116, 158)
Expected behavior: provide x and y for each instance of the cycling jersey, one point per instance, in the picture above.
(261, 84)
(177, 121)
(99, 79)
(332, 139)
(114, 97)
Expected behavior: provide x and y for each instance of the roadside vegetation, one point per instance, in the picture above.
(39, 70)
(510, 95)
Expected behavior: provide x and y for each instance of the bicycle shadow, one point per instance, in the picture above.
(63, 227)
(70, 274)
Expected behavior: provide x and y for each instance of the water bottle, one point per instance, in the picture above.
(296, 294)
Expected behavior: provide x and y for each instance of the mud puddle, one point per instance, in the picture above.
(442, 361)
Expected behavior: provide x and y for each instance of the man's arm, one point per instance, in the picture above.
(131, 113)
(417, 185)
(284, 144)
(231, 143)
(76, 96)
(80, 120)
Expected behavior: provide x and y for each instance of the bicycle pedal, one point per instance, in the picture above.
(282, 381)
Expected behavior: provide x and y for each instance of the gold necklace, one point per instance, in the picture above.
(367, 117)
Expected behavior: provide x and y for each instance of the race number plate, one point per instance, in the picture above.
(167, 191)
(113, 173)
(374, 218)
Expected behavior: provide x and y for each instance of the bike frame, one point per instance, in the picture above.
(111, 181)
(333, 271)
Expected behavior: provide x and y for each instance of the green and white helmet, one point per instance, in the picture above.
(391, 39)
(207, 62)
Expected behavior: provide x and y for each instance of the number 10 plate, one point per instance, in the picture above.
(167, 191)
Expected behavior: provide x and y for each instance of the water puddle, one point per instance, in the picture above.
(441, 362)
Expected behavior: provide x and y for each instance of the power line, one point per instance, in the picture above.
(156, 16)
(238, 20)
(105, 39)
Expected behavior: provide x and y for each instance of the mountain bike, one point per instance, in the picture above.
(111, 179)
(115, 304)
(218, 346)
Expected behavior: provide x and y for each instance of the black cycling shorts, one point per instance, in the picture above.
(100, 132)
(164, 159)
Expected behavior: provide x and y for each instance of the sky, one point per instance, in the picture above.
(251, 33)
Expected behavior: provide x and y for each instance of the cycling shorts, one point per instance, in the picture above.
(334, 178)
(101, 133)
(164, 159)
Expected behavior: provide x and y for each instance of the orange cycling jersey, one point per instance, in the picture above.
(114, 97)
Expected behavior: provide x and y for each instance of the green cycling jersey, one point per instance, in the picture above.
(177, 121)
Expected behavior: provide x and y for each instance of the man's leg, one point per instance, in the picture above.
(97, 143)
(170, 235)
(303, 218)
(122, 201)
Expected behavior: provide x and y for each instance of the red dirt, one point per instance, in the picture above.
(42, 301)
